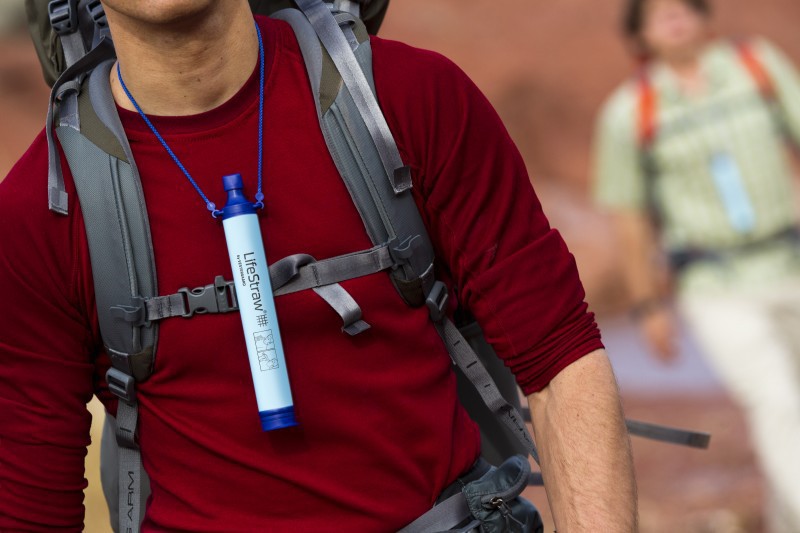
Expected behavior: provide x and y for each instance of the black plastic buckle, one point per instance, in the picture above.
(63, 16)
(98, 15)
(217, 298)
(95, 9)
(121, 385)
(437, 301)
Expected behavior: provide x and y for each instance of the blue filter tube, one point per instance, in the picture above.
(257, 308)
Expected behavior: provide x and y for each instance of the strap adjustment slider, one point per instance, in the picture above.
(63, 16)
(98, 16)
(437, 301)
(121, 385)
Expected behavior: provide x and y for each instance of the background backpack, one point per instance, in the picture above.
(647, 126)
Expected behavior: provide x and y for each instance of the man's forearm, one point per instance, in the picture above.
(585, 450)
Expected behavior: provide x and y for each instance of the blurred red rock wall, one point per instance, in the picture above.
(547, 66)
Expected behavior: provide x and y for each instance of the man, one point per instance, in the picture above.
(381, 432)
(697, 142)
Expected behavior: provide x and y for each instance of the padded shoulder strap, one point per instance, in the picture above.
(338, 59)
(120, 248)
(115, 216)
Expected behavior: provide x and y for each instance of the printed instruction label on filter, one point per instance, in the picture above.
(265, 348)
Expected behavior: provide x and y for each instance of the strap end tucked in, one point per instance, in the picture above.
(401, 179)
(58, 201)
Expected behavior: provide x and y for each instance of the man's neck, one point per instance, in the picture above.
(186, 67)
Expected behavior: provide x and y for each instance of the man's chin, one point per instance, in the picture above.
(173, 13)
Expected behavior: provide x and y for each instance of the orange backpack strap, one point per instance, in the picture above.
(755, 68)
(647, 110)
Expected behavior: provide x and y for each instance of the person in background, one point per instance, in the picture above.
(691, 156)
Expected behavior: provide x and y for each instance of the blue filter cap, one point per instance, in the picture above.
(232, 182)
(237, 203)
(278, 418)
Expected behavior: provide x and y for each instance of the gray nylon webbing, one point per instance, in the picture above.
(469, 363)
(386, 215)
(130, 468)
(294, 274)
(443, 517)
(353, 77)
(347, 308)
(338, 269)
(169, 306)
(73, 47)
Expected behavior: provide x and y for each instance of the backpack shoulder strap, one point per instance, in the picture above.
(388, 214)
(756, 69)
(646, 109)
(360, 142)
(120, 248)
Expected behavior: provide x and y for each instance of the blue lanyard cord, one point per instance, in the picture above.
(211, 206)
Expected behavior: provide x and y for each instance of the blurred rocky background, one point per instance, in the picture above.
(546, 66)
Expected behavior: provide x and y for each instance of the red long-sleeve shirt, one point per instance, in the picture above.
(381, 430)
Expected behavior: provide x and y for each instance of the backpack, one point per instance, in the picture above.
(77, 54)
(647, 128)
(647, 106)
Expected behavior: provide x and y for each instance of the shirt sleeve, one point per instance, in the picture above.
(45, 364)
(512, 271)
(618, 180)
(786, 80)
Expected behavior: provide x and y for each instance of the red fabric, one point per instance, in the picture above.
(381, 430)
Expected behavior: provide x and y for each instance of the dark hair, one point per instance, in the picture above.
(633, 16)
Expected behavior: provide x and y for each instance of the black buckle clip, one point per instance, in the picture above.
(217, 298)
(98, 15)
(121, 385)
(437, 301)
(63, 16)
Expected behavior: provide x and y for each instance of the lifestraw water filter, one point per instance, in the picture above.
(257, 308)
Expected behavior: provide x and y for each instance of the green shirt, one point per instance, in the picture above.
(731, 117)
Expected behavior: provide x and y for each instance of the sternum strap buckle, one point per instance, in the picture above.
(220, 297)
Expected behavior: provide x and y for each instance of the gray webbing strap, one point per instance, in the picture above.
(72, 44)
(289, 275)
(334, 41)
(388, 217)
(443, 517)
(338, 269)
(682, 437)
(347, 308)
(469, 363)
(130, 468)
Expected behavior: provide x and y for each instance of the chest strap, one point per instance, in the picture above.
(289, 275)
